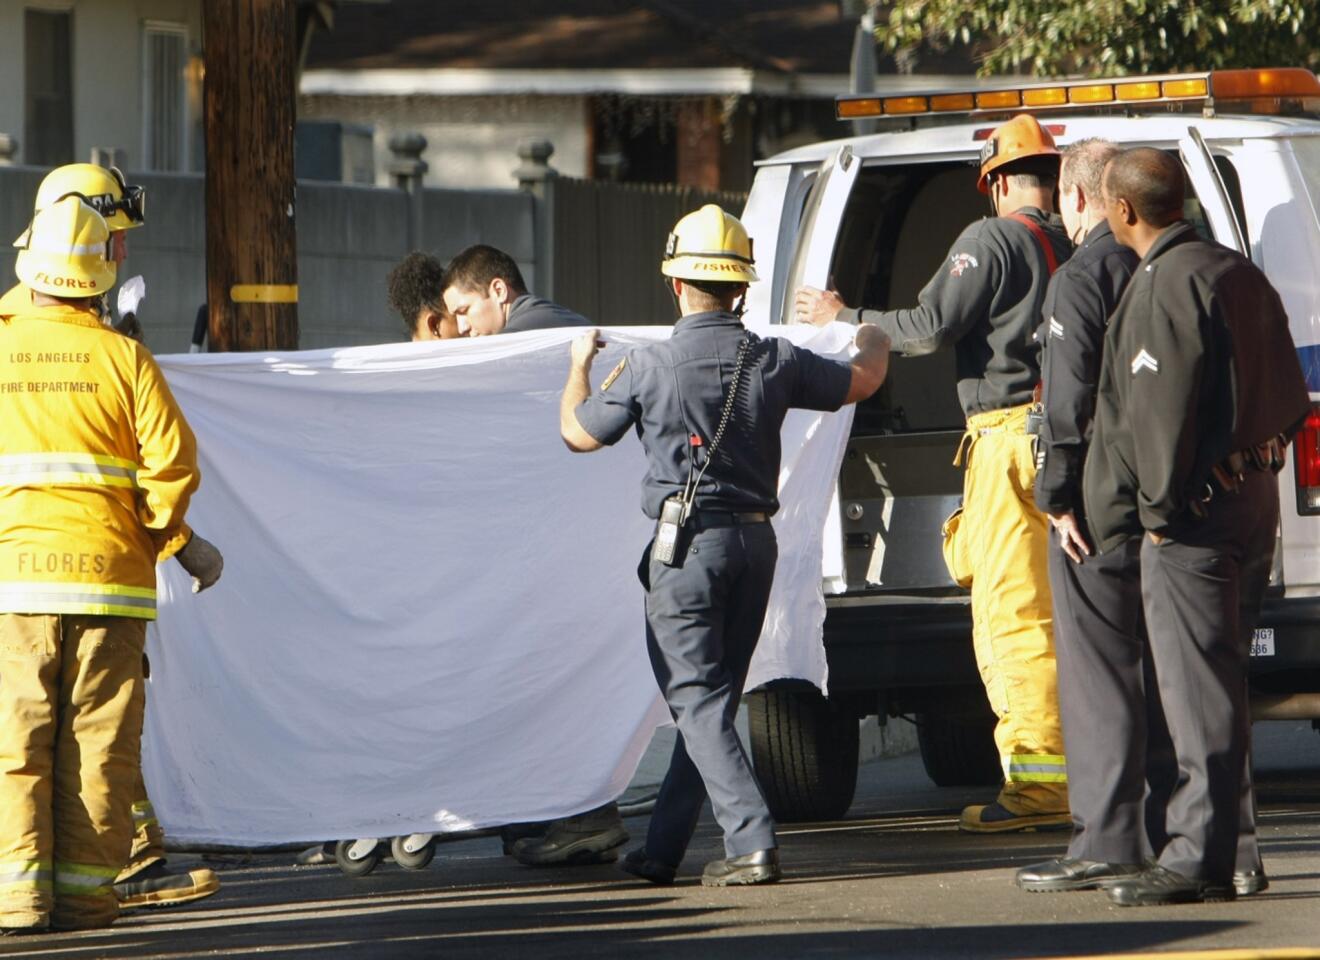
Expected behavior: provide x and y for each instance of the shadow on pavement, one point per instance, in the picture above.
(564, 929)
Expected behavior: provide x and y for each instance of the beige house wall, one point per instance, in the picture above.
(471, 140)
(107, 42)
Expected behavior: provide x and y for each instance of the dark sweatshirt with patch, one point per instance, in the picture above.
(1198, 363)
(984, 301)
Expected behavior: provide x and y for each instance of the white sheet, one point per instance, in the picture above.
(430, 618)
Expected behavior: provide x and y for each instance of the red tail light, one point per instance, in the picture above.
(1306, 459)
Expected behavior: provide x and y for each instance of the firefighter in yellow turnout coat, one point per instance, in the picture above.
(96, 469)
(146, 880)
(984, 302)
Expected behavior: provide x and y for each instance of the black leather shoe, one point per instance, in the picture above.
(1159, 885)
(1248, 882)
(759, 867)
(511, 833)
(1066, 873)
(640, 865)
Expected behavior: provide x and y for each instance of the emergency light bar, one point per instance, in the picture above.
(1262, 88)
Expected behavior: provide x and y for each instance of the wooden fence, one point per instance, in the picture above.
(606, 241)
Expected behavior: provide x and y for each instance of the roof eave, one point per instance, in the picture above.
(456, 82)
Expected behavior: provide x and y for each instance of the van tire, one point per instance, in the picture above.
(804, 749)
(958, 750)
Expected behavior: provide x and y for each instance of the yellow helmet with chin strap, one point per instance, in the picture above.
(66, 251)
(123, 205)
(709, 244)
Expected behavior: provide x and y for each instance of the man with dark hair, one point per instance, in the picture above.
(485, 292)
(1151, 185)
(1113, 724)
(708, 571)
(415, 287)
(1199, 387)
(985, 302)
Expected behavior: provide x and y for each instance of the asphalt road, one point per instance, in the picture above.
(895, 880)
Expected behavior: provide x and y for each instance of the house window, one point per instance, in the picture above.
(48, 88)
(164, 96)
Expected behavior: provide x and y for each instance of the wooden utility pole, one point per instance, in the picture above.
(251, 56)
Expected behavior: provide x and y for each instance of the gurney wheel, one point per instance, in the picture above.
(356, 868)
(415, 860)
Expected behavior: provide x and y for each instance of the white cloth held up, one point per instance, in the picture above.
(399, 641)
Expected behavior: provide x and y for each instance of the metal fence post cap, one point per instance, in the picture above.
(407, 149)
(408, 144)
(535, 167)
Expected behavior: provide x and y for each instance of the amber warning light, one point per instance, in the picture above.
(1235, 85)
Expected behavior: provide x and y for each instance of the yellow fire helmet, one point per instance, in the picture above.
(709, 244)
(66, 252)
(123, 205)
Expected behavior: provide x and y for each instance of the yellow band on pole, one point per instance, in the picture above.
(264, 293)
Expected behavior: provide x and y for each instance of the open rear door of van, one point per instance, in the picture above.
(1210, 191)
(814, 250)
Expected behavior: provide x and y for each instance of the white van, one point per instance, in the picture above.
(873, 216)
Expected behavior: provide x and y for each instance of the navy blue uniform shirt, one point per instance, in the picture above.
(1079, 301)
(672, 390)
(532, 313)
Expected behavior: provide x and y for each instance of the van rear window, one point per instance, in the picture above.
(899, 223)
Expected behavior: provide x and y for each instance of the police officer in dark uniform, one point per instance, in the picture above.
(1199, 384)
(1113, 722)
(707, 405)
(1096, 598)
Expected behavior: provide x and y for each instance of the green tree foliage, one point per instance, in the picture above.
(1110, 37)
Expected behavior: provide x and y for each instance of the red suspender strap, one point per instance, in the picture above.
(1046, 248)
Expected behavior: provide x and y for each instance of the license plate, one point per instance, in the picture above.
(1262, 642)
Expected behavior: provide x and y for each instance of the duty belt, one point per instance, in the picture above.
(728, 518)
(1228, 475)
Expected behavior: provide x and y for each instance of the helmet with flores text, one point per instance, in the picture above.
(66, 251)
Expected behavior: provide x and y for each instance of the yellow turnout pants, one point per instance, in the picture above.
(71, 701)
(148, 837)
(1000, 544)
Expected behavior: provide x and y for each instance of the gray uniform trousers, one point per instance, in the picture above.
(702, 623)
(1162, 776)
(1121, 764)
(1198, 593)
(1098, 647)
